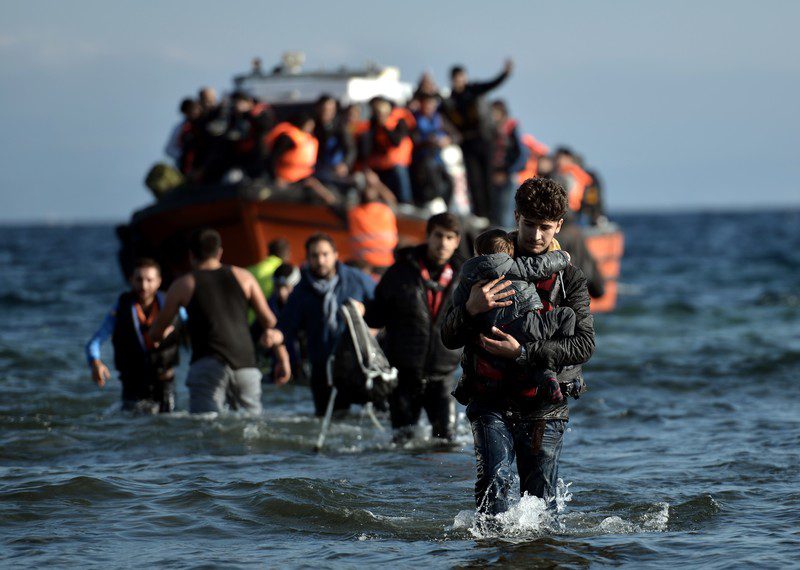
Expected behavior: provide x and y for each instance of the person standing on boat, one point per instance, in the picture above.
(337, 148)
(293, 151)
(250, 120)
(216, 296)
(429, 178)
(386, 146)
(146, 369)
(313, 308)
(467, 112)
(508, 158)
(509, 425)
(410, 303)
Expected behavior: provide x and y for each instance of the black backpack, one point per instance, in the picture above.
(358, 367)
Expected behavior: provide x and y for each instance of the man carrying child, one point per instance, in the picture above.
(515, 411)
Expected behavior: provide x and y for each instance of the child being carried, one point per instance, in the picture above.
(522, 319)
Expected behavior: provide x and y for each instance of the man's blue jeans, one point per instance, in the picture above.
(499, 440)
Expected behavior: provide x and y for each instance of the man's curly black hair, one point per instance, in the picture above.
(541, 199)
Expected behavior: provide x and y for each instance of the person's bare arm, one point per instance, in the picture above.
(252, 292)
(283, 368)
(178, 295)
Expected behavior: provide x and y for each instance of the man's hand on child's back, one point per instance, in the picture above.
(485, 296)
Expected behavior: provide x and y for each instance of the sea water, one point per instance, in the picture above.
(684, 450)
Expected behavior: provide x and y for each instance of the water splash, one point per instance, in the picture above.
(531, 517)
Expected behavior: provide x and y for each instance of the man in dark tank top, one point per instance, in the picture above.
(217, 298)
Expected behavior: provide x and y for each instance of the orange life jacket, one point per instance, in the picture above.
(298, 162)
(536, 150)
(373, 233)
(580, 180)
(385, 156)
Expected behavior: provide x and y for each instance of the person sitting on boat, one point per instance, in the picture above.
(217, 297)
(522, 319)
(385, 146)
(177, 145)
(575, 178)
(337, 147)
(293, 153)
(426, 87)
(146, 368)
(429, 177)
(593, 205)
(373, 225)
(249, 122)
(313, 308)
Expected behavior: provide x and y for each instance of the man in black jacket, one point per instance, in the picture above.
(410, 302)
(509, 426)
(468, 113)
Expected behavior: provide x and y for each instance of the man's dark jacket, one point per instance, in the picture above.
(565, 355)
(413, 343)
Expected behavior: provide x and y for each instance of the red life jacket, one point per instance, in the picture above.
(385, 156)
(435, 289)
(543, 286)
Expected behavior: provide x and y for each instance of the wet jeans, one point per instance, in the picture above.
(499, 440)
(414, 394)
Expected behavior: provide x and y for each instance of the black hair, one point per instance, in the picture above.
(300, 118)
(186, 105)
(456, 69)
(144, 262)
(283, 271)
(279, 247)
(494, 241)
(205, 243)
(314, 239)
(500, 104)
(324, 98)
(446, 221)
(541, 199)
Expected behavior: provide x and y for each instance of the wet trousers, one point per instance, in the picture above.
(499, 440)
(213, 385)
(147, 394)
(321, 391)
(412, 395)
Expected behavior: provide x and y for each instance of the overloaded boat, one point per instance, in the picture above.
(250, 214)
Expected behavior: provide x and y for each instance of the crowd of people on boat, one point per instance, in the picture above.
(327, 148)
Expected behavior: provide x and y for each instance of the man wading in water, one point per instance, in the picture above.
(509, 425)
(217, 298)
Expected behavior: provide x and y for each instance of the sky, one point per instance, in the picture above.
(679, 105)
